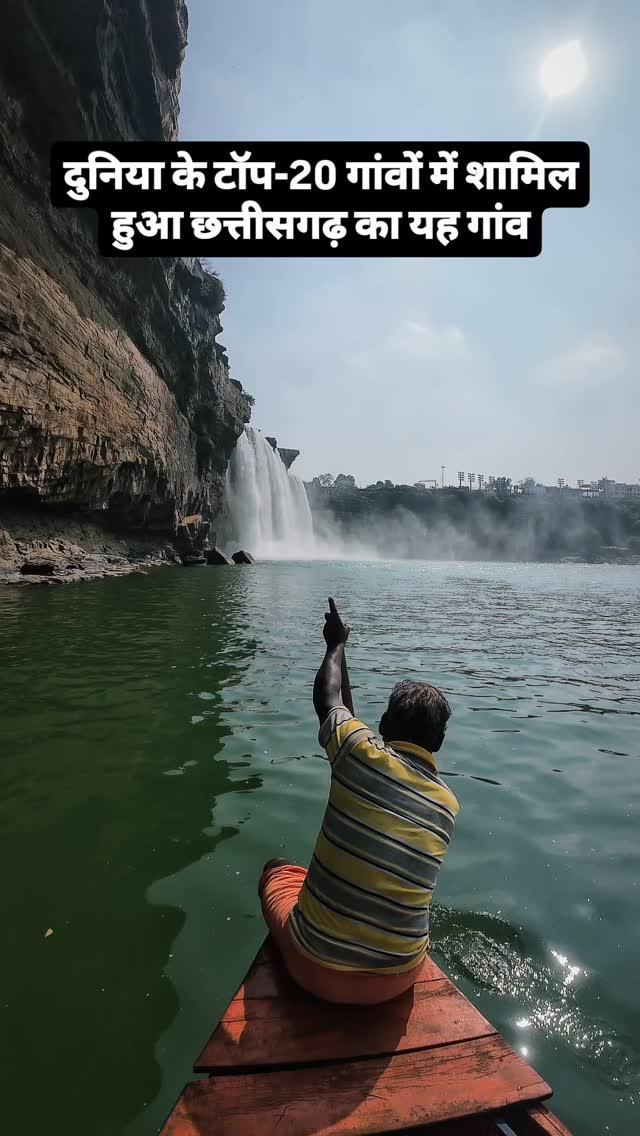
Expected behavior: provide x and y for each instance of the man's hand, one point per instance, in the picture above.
(335, 631)
(326, 688)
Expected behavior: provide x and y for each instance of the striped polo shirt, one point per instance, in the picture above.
(365, 902)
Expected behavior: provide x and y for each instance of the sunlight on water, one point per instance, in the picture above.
(487, 952)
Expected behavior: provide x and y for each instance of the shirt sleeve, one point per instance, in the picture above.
(340, 732)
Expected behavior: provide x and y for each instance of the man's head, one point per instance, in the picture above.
(416, 713)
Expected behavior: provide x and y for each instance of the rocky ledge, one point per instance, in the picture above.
(287, 456)
(49, 549)
(116, 402)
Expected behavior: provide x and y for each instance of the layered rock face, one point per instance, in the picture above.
(114, 397)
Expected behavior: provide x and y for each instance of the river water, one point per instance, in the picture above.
(159, 744)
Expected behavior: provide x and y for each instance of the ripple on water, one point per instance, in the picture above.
(544, 988)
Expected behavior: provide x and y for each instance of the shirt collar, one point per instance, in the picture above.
(416, 751)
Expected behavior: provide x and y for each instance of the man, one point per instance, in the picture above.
(355, 927)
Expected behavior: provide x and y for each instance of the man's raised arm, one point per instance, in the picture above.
(328, 681)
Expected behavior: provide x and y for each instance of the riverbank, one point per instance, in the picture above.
(42, 548)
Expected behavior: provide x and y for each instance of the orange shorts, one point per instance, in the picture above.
(278, 890)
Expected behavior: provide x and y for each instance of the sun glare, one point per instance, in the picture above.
(563, 69)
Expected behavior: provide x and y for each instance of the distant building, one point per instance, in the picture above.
(610, 488)
(588, 488)
(538, 490)
(605, 487)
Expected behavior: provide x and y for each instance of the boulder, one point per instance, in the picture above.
(242, 557)
(38, 568)
(288, 456)
(191, 536)
(217, 556)
(189, 561)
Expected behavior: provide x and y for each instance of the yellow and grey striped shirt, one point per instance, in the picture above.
(365, 902)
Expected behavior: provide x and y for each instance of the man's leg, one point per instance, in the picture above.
(278, 889)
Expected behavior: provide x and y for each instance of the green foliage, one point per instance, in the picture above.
(212, 289)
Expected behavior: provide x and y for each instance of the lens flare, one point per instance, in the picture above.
(563, 69)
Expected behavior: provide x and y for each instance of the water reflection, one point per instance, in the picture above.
(109, 788)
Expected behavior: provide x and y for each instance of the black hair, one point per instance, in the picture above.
(418, 713)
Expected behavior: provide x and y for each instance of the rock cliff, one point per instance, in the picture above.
(115, 399)
(287, 456)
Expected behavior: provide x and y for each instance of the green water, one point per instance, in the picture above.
(158, 744)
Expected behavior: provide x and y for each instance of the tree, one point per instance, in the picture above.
(326, 480)
(503, 485)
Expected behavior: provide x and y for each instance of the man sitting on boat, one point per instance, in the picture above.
(354, 928)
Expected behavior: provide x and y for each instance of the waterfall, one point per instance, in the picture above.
(267, 508)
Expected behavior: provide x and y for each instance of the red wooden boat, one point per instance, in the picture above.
(281, 1062)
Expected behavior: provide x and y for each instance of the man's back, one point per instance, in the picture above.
(354, 928)
(365, 902)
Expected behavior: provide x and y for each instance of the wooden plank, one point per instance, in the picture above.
(268, 978)
(246, 1008)
(538, 1121)
(470, 1126)
(364, 1097)
(266, 1032)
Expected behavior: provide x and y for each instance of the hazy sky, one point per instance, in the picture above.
(391, 368)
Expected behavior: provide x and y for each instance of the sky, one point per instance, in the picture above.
(392, 368)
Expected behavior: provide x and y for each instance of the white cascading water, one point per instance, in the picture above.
(268, 512)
